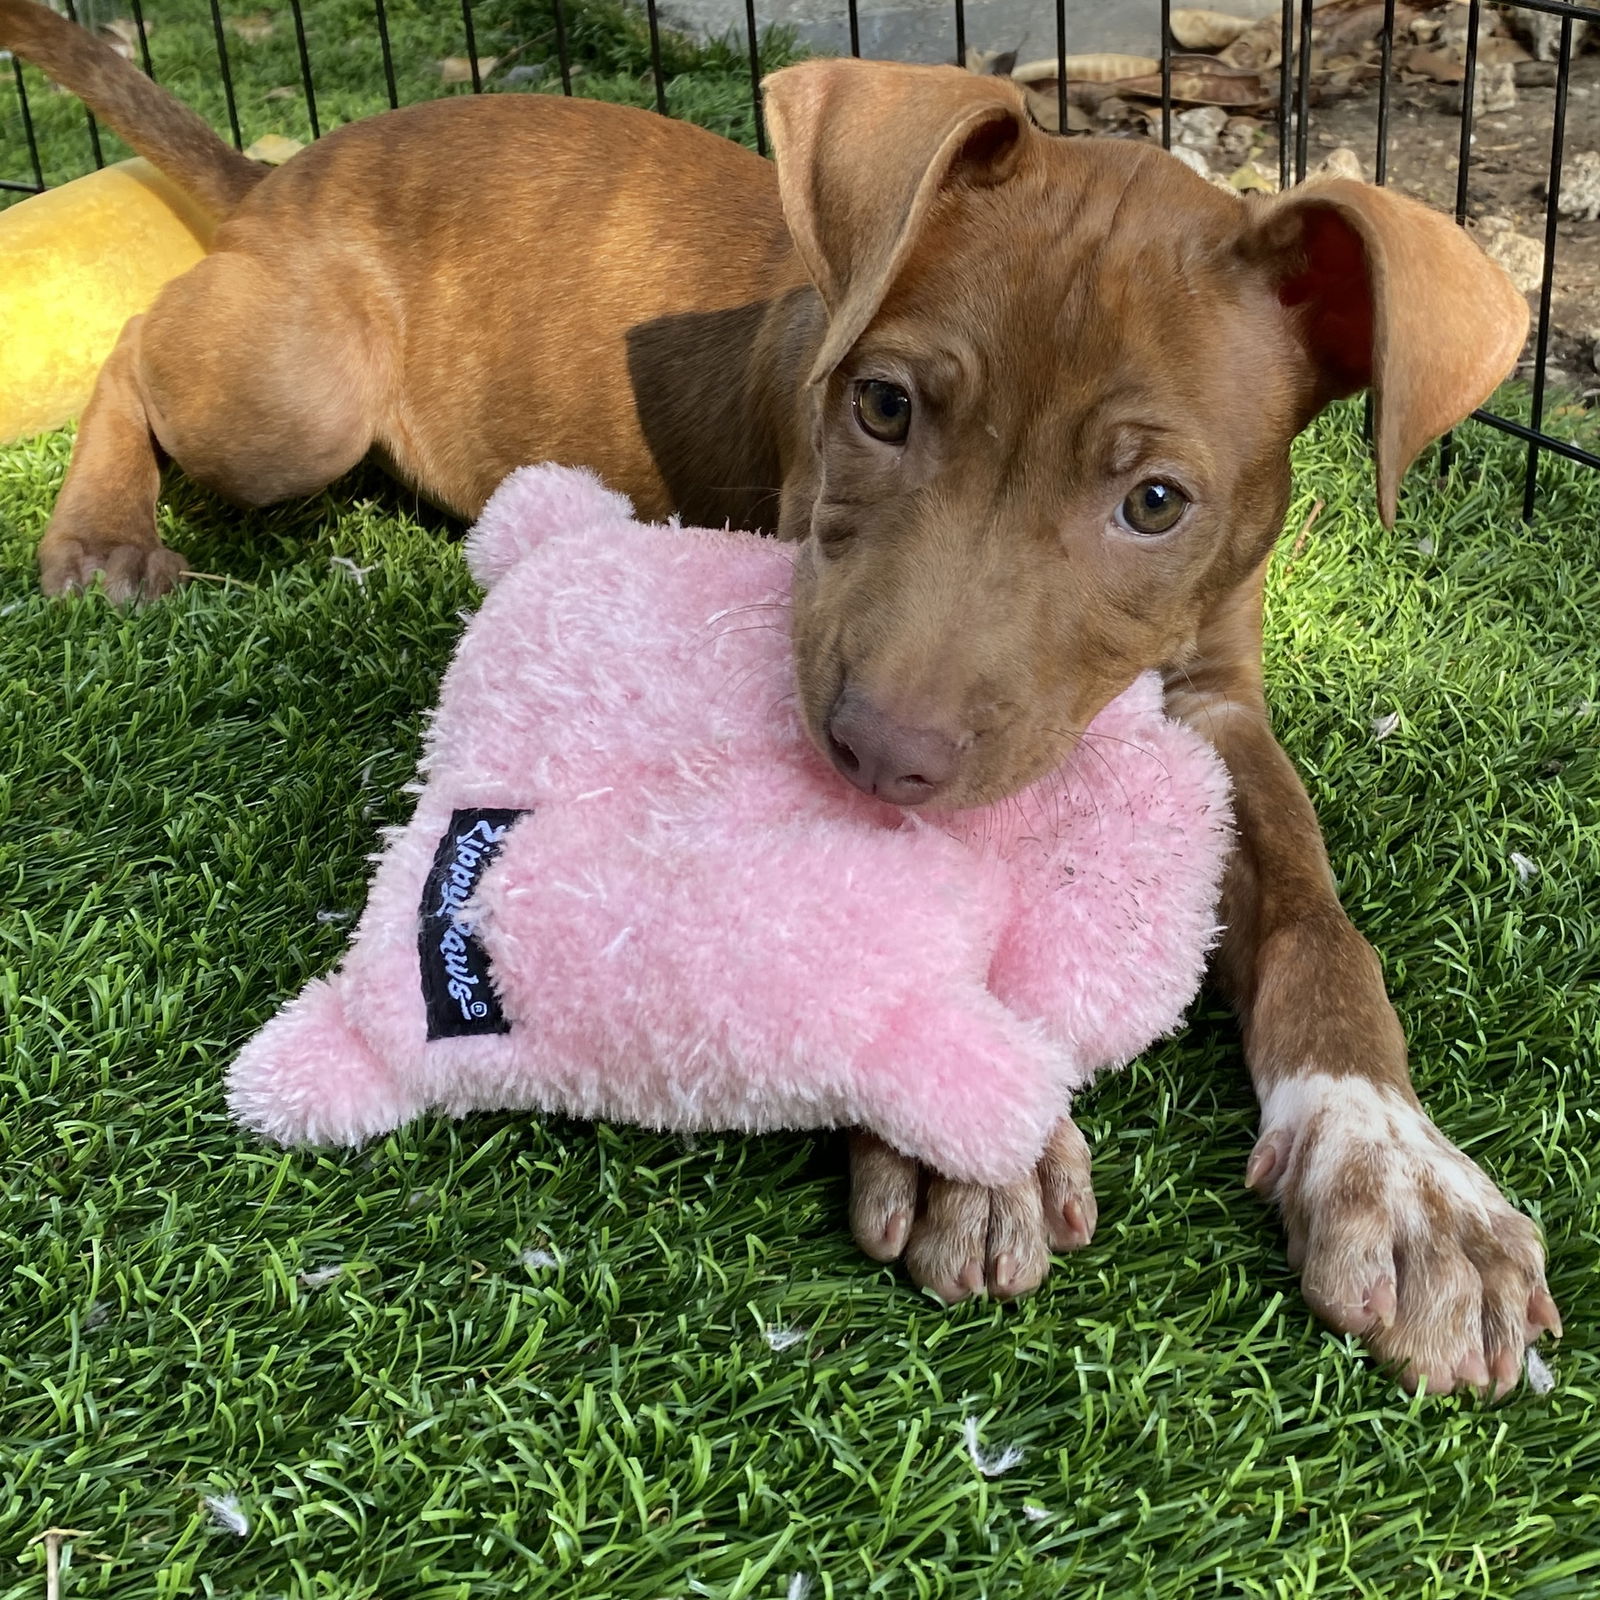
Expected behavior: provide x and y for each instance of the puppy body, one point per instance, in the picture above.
(1028, 404)
(460, 306)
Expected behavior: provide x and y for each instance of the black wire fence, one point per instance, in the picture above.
(1293, 113)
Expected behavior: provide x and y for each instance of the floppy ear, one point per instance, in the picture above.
(863, 149)
(1395, 297)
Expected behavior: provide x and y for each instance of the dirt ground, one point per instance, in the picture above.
(1507, 175)
(1225, 126)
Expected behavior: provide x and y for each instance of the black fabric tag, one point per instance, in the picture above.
(456, 987)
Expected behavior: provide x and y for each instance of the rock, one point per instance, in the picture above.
(1238, 139)
(1454, 28)
(1192, 159)
(1204, 122)
(1199, 130)
(1341, 163)
(1522, 257)
(1592, 339)
(1542, 32)
(1580, 187)
(1494, 88)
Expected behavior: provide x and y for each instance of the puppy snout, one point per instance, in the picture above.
(896, 761)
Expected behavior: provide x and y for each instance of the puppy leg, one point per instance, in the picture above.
(964, 1239)
(105, 518)
(262, 376)
(1398, 1236)
(259, 382)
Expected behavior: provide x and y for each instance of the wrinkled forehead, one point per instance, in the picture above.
(1105, 283)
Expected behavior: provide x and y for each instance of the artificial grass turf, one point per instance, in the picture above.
(551, 1359)
(558, 1359)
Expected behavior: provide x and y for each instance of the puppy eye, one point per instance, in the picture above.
(1153, 507)
(883, 410)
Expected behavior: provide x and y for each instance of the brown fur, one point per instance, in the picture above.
(466, 286)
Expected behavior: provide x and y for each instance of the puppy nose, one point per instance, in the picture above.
(884, 757)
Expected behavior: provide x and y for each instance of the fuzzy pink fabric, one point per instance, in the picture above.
(698, 925)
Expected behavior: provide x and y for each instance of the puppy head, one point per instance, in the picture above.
(1052, 406)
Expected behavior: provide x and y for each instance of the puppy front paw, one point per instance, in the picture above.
(1399, 1237)
(131, 573)
(961, 1239)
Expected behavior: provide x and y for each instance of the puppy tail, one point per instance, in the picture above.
(165, 132)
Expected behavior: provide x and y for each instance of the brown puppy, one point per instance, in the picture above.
(1027, 401)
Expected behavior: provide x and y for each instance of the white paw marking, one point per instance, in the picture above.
(1402, 1147)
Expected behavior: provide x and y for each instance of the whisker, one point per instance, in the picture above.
(1205, 704)
(754, 605)
(733, 687)
(1084, 740)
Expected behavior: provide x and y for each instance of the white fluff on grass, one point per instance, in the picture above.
(1540, 1378)
(228, 1514)
(346, 565)
(990, 1465)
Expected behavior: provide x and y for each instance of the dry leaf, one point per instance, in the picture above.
(990, 63)
(1196, 80)
(1500, 50)
(123, 35)
(1348, 25)
(1044, 106)
(253, 28)
(458, 69)
(1207, 30)
(1253, 177)
(285, 92)
(1114, 113)
(1219, 87)
(1259, 50)
(1443, 66)
(1099, 68)
(274, 149)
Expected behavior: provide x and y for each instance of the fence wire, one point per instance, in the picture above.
(1293, 125)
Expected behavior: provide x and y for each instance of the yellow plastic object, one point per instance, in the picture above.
(75, 264)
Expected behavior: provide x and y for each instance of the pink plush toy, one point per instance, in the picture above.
(633, 890)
